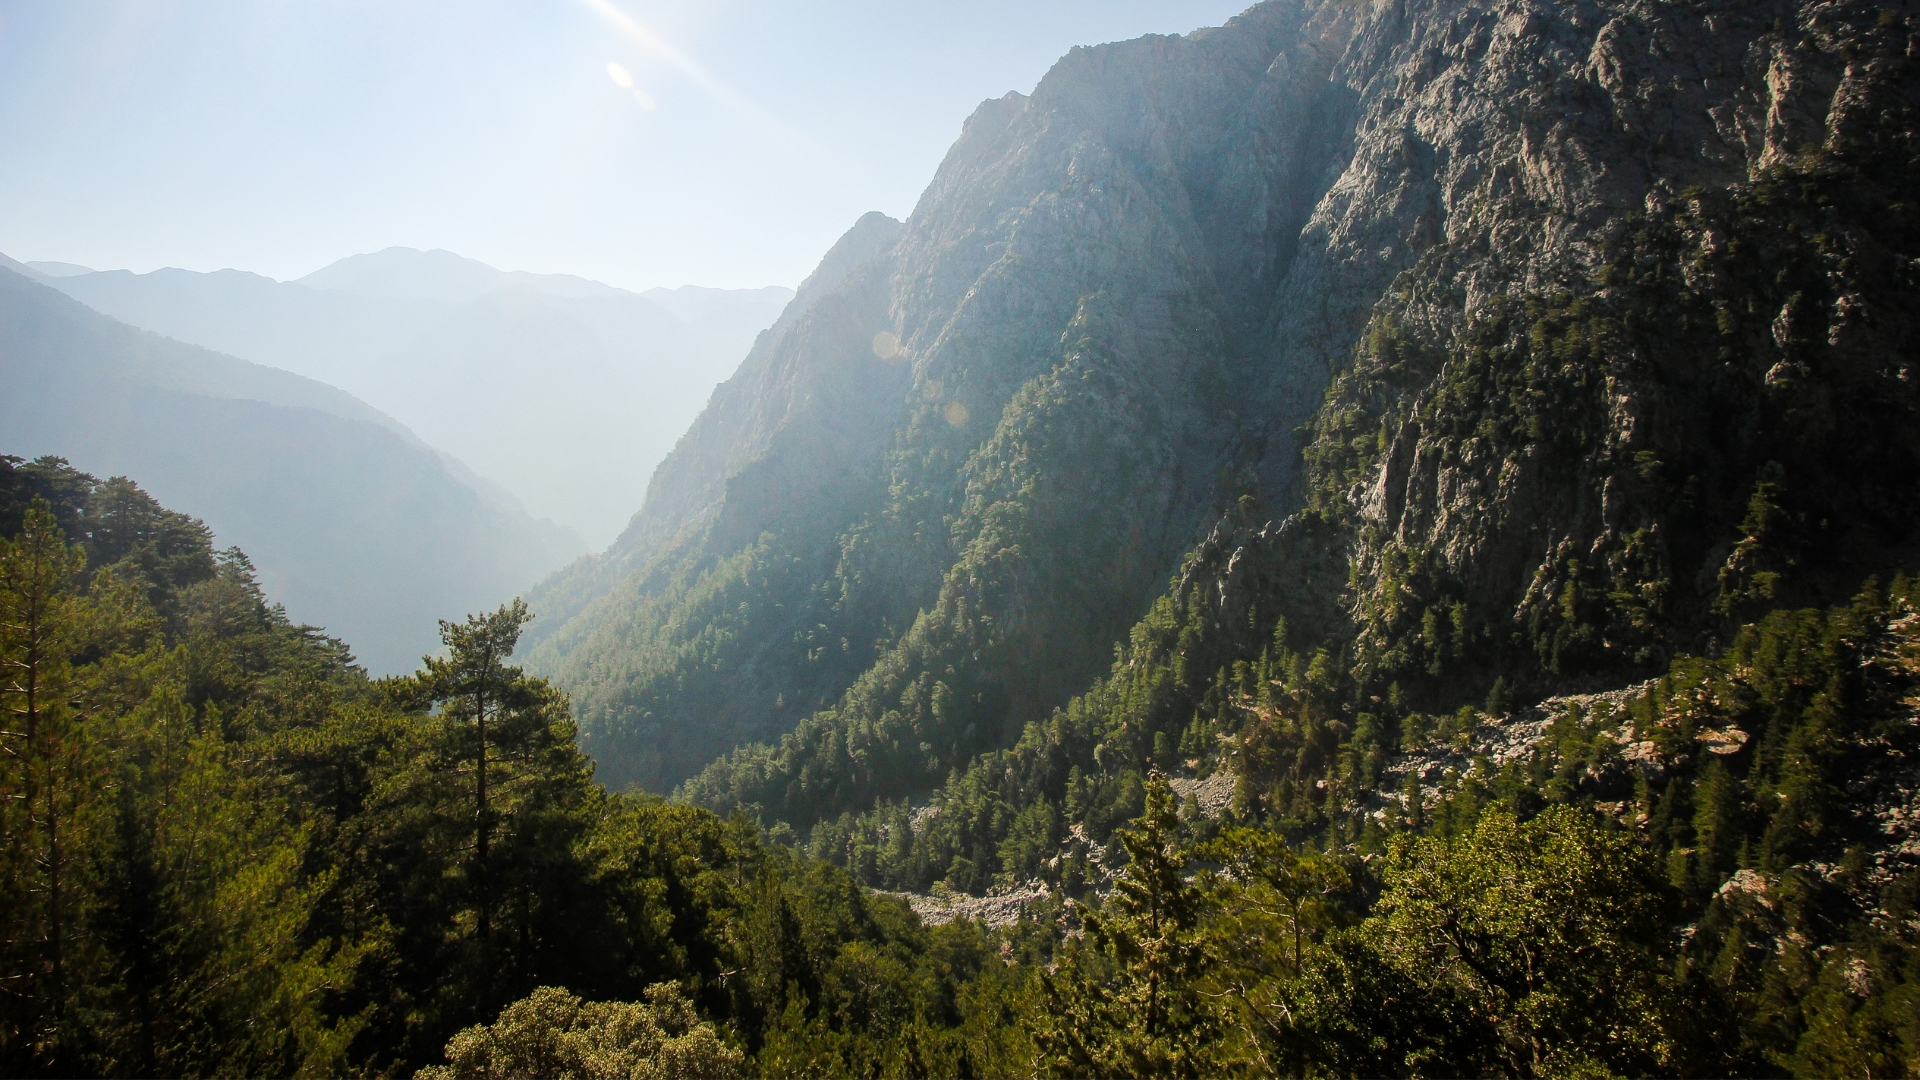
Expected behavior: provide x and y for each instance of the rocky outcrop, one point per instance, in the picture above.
(1416, 781)
(1604, 411)
(999, 908)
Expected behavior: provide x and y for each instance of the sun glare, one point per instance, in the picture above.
(621, 77)
(725, 95)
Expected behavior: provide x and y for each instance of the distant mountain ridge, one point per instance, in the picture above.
(59, 269)
(354, 523)
(401, 273)
(565, 391)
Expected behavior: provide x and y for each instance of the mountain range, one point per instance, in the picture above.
(353, 522)
(564, 391)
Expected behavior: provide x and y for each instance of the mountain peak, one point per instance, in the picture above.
(408, 274)
(441, 276)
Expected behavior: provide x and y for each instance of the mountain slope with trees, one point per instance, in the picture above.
(951, 407)
(981, 441)
(229, 852)
(1614, 305)
(1688, 458)
(1390, 526)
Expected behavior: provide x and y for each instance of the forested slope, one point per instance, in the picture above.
(1537, 252)
(230, 853)
(1391, 526)
(1009, 413)
(227, 852)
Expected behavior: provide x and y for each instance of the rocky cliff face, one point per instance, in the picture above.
(1678, 391)
(1500, 255)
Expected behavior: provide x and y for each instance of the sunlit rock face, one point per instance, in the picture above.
(978, 442)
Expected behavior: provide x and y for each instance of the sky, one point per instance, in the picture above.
(639, 142)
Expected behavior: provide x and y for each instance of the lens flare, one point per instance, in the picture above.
(621, 77)
(956, 414)
(728, 98)
(886, 345)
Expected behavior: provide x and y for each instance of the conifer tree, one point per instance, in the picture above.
(42, 755)
(513, 736)
(1128, 1003)
(474, 686)
(1267, 876)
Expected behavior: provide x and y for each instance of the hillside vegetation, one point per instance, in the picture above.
(231, 853)
(1633, 408)
(980, 442)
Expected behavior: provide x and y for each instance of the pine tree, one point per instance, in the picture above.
(473, 685)
(529, 781)
(39, 787)
(1296, 888)
(1128, 1003)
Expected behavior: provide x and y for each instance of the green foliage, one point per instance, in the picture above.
(44, 799)
(1276, 887)
(1553, 934)
(158, 913)
(943, 615)
(1546, 945)
(230, 852)
(553, 1034)
(1177, 692)
(258, 861)
(1128, 1002)
(744, 641)
(527, 774)
(1727, 766)
(115, 524)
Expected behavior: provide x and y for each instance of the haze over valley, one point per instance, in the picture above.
(564, 391)
(519, 414)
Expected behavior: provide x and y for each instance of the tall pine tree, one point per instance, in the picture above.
(40, 786)
(1128, 1001)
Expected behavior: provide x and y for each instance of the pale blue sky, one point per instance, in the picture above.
(277, 136)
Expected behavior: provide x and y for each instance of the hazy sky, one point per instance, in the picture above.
(641, 142)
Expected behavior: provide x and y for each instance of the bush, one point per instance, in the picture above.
(552, 1035)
